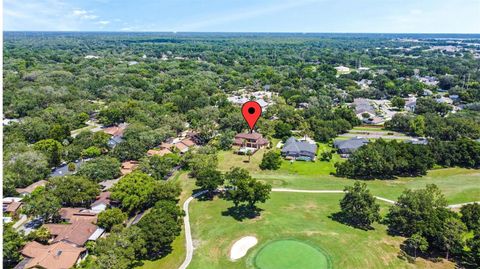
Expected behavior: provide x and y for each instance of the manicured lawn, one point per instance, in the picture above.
(302, 217)
(291, 254)
(458, 184)
(305, 217)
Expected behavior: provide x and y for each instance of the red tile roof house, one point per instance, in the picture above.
(11, 205)
(60, 255)
(79, 230)
(249, 141)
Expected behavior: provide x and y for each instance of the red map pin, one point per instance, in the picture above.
(251, 111)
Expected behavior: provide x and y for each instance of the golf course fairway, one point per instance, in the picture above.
(291, 254)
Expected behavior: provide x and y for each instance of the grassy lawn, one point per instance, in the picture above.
(305, 217)
(302, 217)
(458, 184)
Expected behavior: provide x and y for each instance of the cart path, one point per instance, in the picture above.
(188, 232)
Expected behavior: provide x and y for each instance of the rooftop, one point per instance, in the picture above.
(60, 255)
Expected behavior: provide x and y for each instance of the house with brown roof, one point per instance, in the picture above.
(159, 152)
(72, 214)
(79, 229)
(77, 233)
(30, 188)
(101, 203)
(249, 142)
(60, 255)
(116, 130)
(128, 167)
(11, 205)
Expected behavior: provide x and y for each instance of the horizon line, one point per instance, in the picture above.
(232, 32)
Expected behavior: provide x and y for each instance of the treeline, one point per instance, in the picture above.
(430, 125)
(422, 216)
(384, 160)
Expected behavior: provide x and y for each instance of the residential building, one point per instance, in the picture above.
(346, 147)
(128, 167)
(160, 152)
(101, 203)
(342, 69)
(11, 205)
(60, 255)
(249, 142)
(30, 188)
(299, 150)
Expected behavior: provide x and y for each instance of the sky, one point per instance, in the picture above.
(320, 16)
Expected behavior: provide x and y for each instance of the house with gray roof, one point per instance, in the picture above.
(349, 146)
(299, 150)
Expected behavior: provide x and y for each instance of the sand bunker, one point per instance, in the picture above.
(240, 248)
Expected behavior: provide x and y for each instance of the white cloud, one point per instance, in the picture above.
(83, 14)
(103, 22)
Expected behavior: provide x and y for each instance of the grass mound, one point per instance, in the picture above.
(291, 254)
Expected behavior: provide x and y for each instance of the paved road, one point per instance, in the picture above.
(186, 219)
(376, 136)
(188, 233)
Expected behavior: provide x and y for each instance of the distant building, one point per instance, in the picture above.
(116, 132)
(299, 150)
(342, 69)
(349, 146)
(363, 106)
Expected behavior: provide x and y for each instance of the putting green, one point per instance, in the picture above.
(291, 254)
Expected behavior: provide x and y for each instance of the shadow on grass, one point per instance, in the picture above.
(341, 218)
(242, 212)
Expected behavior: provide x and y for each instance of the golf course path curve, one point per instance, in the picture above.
(188, 233)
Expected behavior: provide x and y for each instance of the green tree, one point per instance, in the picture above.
(452, 236)
(283, 130)
(110, 217)
(418, 126)
(52, 149)
(474, 245)
(417, 211)
(122, 249)
(71, 167)
(101, 168)
(209, 179)
(12, 244)
(41, 235)
(91, 152)
(398, 102)
(271, 161)
(74, 191)
(26, 168)
(471, 215)
(42, 203)
(134, 192)
(159, 166)
(416, 242)
(358, 206)
(160, 227)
